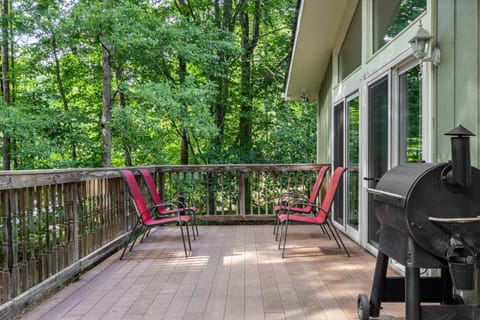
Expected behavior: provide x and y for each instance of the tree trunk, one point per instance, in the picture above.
(248, 42)
(183, 133)
(122, 103)
(107, 106)
(225, 21)
(58, 75)
(5, 80)
(61, 90)
(182, 71)
(184, 148)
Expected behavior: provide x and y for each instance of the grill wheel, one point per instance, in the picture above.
(363, 307)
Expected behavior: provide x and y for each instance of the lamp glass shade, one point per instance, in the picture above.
(419, 47)
(420, 43)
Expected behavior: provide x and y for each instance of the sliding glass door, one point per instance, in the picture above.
(378, 128)
(346, 154)
(394, 129)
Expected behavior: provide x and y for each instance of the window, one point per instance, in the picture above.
(353, 161)
(346, 154)
(410, 100)
(350, 55)
(392, 16)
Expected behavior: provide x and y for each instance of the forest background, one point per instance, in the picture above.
(90, 83)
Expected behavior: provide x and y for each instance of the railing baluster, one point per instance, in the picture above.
(5, 252)
(241, 194)
(41, 251)
(222, 192)
(23, 237)
(33, 274)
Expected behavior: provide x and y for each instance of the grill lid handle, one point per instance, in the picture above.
(385, 194)
(454, 220)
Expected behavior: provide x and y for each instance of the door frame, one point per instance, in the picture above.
(392, 71)
(353, 233)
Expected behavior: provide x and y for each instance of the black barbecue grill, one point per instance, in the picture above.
(429, 216)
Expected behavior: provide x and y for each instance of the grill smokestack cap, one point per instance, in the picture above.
(460, 131)
(461, 169)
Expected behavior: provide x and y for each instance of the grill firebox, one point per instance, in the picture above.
(429, 216)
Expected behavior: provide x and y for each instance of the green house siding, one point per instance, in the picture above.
(457, 78)
(324, 122)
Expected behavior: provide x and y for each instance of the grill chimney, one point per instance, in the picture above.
(461, 173)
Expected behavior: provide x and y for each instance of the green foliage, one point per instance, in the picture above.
(172, 67)
(408, 11)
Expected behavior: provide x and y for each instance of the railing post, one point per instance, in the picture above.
(5, 272)
(73, 223)
(15, 277)
(241, 194)
(161, 184)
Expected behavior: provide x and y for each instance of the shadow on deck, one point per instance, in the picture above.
(234, 272)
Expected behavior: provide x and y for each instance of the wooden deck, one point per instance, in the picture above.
(234, 272)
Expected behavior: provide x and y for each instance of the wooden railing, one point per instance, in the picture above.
(56, 223)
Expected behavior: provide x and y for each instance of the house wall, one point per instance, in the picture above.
(324, 119)
(457, 76)
(457, 80)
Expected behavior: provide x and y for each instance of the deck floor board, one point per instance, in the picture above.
(234, 272)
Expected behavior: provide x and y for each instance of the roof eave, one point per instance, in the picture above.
(314, 36)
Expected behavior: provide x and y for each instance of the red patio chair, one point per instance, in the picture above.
(144, 214)
(161, 210)
(322, 217)
(288, 201)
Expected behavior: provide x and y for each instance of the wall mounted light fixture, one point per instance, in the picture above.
(304, 95)
(420, 44)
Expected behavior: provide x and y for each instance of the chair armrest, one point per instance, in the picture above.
(291, 197)
(166, 204)
(179, 200)
(300, 204)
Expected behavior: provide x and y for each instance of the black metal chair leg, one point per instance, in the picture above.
(145, 235)
(129, 238)
(196, 226)
(325, 231)
(140, 228)
(279, 231)
(275, 226)
(281, 226)
(333, 234)
(183, 238)
(188, 236)
(285, 239)
(341, 241)
(193, 231)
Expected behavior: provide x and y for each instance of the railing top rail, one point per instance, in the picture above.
(31, 178)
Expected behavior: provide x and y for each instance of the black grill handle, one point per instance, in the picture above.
(454, 220)
(371, 179)
(385, 194)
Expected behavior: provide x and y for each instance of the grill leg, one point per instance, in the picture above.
(447, 290)
(412, 285)
(378, 284)
(412, 294)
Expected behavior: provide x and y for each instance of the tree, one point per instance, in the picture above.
(128, 82)
(249, 39)
(107, 105)
(6, 77)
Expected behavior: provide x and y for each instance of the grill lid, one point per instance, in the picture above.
(396, 184)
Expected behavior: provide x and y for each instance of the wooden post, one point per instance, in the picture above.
(14, 246)
(241, 195)
(73, 223)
